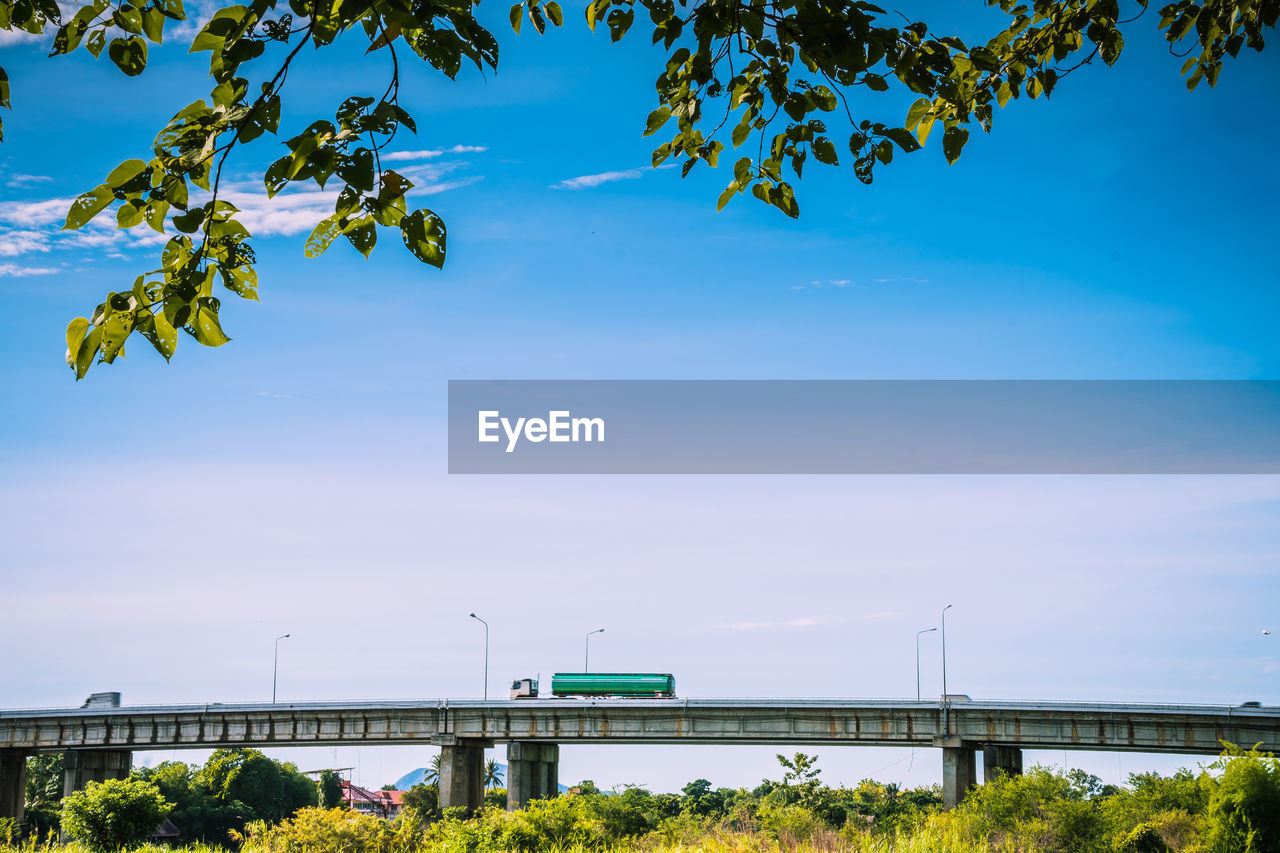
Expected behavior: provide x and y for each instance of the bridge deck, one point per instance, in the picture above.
(1193, 729)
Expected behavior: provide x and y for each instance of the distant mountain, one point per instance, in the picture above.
(416, 777)
(413, 777)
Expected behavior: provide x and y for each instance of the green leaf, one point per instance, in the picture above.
(129, 55)
(362, 235)
(83, 357)
(917, 113)
(358, 170)
(189, 222)
(729, 192)
(922, 131)
(87, 206)
(903, 137)
(554, 13)
(1003, 94)
(824, 151)
(76, 330)
(656, 120)
(424, 235)
(953, 141)
(130, 213)
(4, 89)
(153, 24)
(205, 327)
(160, 332)
(155, 214)
(242, 281)
(325, 232)
(125, 172)
(128, 19)
(115, 330)
(517, 17)
(823, 98)
(96, 42)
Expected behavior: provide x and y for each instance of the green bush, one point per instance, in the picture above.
(42, 821)
(1145, 838)
(1244, 808)
(332, 831)
(113, 815)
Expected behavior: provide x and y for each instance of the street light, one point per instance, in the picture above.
(486, 653)
(918, 633)
(586, 652)
(946, 703)
(944, 652)
(275, 666)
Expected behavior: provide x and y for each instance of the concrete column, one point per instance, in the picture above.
(462, 776)
(13, 783)
(82, 766)
(959, 774)
(533, 772)
(997, 760)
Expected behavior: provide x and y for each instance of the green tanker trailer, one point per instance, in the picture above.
(624, 685)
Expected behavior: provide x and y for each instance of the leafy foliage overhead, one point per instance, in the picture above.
(781, 81)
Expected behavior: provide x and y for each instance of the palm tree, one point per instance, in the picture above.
(492, 774)
(432, 776)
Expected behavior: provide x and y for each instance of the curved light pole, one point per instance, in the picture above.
(918, 633)
(486, 653)
(946, 704)
(275, 666)
(944, 652)
(586, 652)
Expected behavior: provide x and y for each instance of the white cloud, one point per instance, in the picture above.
(30, 226)
(12, 37)
(14, 243)
(831, 282)
(584, 182)
(22, 180)
(15, 271)
(431, 153)
(29, 213)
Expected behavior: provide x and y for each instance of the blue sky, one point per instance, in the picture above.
(161, 524)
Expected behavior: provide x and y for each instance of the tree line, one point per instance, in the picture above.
(241, 799)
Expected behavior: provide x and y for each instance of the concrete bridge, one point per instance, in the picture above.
(99, 742)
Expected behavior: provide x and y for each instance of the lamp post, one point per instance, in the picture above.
(918, 633)
(946, 704)
(486, 653)
(275, 666)
(586, 651)
(944, 651)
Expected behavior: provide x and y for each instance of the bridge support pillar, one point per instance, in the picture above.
(533, 772)
(13, 783)
(82, 766)
(1000, 760)
(959, 774)
(462, 775)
